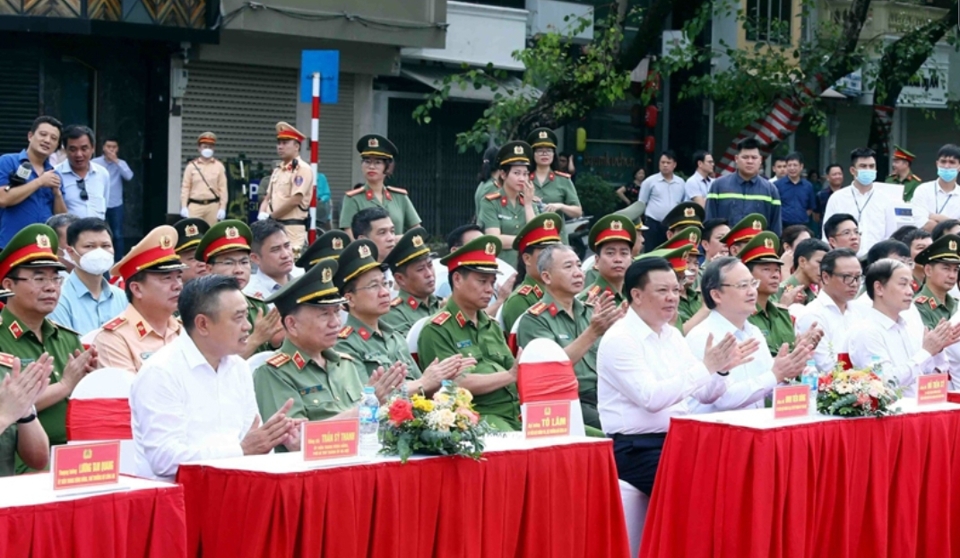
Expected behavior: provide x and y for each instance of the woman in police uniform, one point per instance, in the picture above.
(504, 212)
(553, 189)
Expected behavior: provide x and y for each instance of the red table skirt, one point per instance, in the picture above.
(550, 502)
(858, 487)
(147, 523)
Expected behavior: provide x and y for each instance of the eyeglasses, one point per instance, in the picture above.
(243, 262)
(542, 151)
(40, 280)
(851, 232)
(81, 183)
(743, 285)
(373, 163)
(388, 285)
(850, 280)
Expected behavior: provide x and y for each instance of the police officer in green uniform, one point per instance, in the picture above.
(691, 299)
(760, 255)
(541, 230)
(574, 325)
(504, 213)
(28, 268)
(377, 155)
(553, 190)
(225, 249)
(903, 173)
(940, 262)
(21, 434)
(322, 382)
(741, 233)
(328, 245)
(686, 214)
(412, 268)
(189, 233)
(462, 327)
(611, 238)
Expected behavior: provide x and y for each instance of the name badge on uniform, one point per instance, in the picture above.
(25, 361)
(903, 214)
(464, 344)
(563, 336)
(503, 217)
(309, 390)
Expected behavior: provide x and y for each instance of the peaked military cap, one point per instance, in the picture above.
(225, 236)
(412, 245)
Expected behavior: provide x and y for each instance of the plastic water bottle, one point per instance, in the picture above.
(811, 377)
(876, 365)
(369, 443)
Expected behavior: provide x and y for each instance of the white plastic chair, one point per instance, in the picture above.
(634, 514)
(258, 360)
(500, 317)
(110, 383)
(413, 336)
(87, 338)
(546, 350)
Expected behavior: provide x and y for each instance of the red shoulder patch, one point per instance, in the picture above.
(525, 290)
(920, 299)
(441, 318)
(397, 190)
(278, 360)
(345, 332)
(537, 308)
(6, 359)
(594, 290)
(113, 324)
(396, 302)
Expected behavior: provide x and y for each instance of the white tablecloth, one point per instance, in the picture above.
(37, 489)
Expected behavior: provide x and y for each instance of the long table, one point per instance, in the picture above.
(138, 519)
(550, 498)
(740, 485)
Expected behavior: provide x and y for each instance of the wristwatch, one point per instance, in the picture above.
(29, 418)
(725, 373)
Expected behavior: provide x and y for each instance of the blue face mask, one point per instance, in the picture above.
(947, 175)
(866, 176)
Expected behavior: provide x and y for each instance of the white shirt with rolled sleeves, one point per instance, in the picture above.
(837, 328)
(696, 185)
(932, 198)
(645, 377)
(901, 353)
(660, 195)
(748, 384)
(183, 410)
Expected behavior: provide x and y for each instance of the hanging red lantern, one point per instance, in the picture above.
(649, 144)
(650, 116)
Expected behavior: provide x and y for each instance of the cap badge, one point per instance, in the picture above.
(689, 212)
(768, 243)
(757, 226)
(326, 275)
(373, 142)
(166, 242)
(417, 241)
(232, 232)
(364, 251)
(543, 134)
(490, 249)
(693, 238)
(337, 244)
(549, 225)
(43, 241)
(191, 230)
(518, 150)
(953, 245)
(616, 226)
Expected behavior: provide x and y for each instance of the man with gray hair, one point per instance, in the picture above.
(85, 183)
(730, 292)
(572, 324)
(60, 223)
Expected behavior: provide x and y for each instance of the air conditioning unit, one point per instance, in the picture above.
(555, 16)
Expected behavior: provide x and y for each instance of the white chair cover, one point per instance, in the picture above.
(546, 351)
(257, 360)
(413, 336)
(110, 383)
(87, 338)
(634, 514)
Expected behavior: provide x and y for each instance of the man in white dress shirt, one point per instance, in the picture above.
(886, 334)
(646, 371)
(194, 399)
(940, 197)
(85, 184)
(841, 230)
(894, 250)
(840, 280)
(730, 292)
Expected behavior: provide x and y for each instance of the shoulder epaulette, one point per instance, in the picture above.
(525, 290)
(6, 359)
(354, 192)
(113, 324)
(345, 356)
(537, 308)
(563, 174)
(441, 318)
(594, 290)
(65, 328)
(492, 196)
(278, 360)
(396, 302)
(920, 299)
(345, 332)
(397, 190)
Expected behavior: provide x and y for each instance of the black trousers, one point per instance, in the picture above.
(655, 236)
(637, 457)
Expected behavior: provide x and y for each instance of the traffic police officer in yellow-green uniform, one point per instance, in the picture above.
(678, 261)
(741, 233)
(903, 173)
(322, 382)
(761, 256)
(29, 269)
(554, 190)
(541, 230)
(504, 212)
(412, 268)
(611, 238)
(940, 264)
(328, 245)
(225, 248)
(462, 327)
(691, 299)
(377, 155)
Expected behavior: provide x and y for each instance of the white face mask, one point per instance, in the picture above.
(96, 262)
(206, 153)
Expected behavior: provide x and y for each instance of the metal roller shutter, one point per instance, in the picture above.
(19, 96)
(242, 105)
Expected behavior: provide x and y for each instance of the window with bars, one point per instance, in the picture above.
(769, 21)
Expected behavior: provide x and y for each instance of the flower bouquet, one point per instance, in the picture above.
(447, 424)
(856, 393)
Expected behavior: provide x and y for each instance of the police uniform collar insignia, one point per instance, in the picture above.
(417, 241)
(549, 225)
(461, 320)
(166, 242)
(369, 194)
(15, 328)
(537, 291)
(141, 330)
(364, 334)
(43, 241)
(518, 150)
(553, 309)
(490, 249)
(232, 232)
(373, 142)
(326, 275)
(337, 244)
(689, 212)
(299, 361)
(616, 226)
(191, 230)
(413, 303)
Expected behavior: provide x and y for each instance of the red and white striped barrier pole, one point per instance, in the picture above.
(314, 155)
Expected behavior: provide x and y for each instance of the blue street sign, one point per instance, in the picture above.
(327, 62)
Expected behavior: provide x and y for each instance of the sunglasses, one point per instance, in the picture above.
(81, 183)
